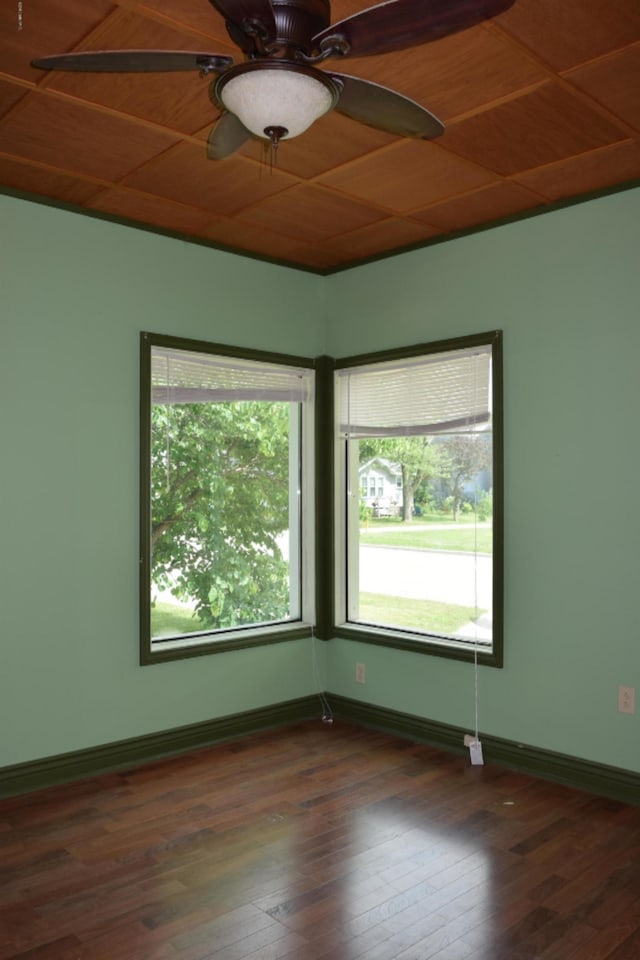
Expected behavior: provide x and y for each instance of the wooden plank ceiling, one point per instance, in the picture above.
(540, 104)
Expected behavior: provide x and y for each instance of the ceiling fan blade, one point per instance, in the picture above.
(135, 61)
(226, 137)
(399, 24)
(385, 109)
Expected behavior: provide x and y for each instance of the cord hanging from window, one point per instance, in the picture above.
(327, 714)
(476, 752)
(168, 409)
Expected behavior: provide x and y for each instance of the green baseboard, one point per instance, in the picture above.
(613, 782)
(81, 764)
(621, 785)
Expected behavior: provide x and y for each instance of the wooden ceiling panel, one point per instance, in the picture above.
(236, 235)
(595, 170)
(36, 27)
(407, 176)
(76, 139)
(490, 203)
(34, 178)
(549, 124)
(455, 75)
(340, 9)
(133, 205)
(309, 213)
(564, 33)
(540, 104)
(225, 187)
(614, 82)
(380, 237)
(10, 93)
(179, 101)
(197, 15)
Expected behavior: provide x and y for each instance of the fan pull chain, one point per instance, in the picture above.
(275, 135)
(268, 156)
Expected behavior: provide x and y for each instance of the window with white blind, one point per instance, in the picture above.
(420, 564)
(227, 492)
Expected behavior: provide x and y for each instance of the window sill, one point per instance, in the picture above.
(163, 651)
(488, 655)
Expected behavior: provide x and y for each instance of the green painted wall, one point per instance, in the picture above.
(565, 289)
(75, 292)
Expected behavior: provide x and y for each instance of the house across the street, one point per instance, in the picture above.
(381, 486)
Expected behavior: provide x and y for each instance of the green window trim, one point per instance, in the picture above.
(327, 624)
(209, 371)
(380, 366)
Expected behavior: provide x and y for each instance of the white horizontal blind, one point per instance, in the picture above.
(180, 376)
(436, 393)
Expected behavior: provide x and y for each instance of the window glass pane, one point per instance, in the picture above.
(419, 555)
(225, 497)
(424, 545)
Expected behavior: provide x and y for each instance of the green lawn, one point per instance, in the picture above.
(422, 518)
(406, 535)
(427, 615)
(171, 619)
(168, 619)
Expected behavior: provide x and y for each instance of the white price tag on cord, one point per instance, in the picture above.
(475, 750)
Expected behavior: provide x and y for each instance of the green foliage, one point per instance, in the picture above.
(485, 505)
(220, 499)
(424, 501)
(462, 457)
(365, 512)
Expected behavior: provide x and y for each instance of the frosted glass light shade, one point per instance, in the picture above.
(276, 98)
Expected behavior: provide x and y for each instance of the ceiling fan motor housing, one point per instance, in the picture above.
(297, 21)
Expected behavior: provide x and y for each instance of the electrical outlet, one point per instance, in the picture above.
(360, 673)
(626, 699)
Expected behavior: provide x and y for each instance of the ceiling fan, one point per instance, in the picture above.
(278, 91)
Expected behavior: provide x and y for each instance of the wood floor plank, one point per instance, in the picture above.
(318, 843)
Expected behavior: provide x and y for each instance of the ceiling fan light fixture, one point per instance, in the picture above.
(281, 95)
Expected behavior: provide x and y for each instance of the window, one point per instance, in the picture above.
(427, 574)
(227, 467)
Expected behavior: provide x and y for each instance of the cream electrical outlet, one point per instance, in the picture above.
(626, 699)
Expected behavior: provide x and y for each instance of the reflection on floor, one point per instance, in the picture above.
(318, 842)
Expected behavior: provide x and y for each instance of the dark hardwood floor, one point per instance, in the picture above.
(318, 842)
